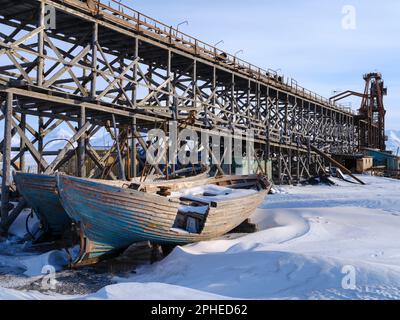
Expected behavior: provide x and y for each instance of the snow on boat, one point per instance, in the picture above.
(40, 191)
(114, 215)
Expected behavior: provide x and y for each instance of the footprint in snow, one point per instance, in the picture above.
(377, 255)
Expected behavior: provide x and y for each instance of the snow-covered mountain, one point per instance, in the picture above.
(393, 143)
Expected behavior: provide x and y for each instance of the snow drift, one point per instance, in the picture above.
(312, 239)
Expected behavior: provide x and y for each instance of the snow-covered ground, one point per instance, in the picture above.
(318, 242)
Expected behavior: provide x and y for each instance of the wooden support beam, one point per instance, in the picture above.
(134, 154)
(215, 160)
(40, 138)
(82, 146)
(40, 59)
(22, 204)
(37, 155)
(22, 145)
(144, 146)
(70, 145)
(6, 172)
(99, 162)
(336, 164)
(117, 142)
(95, 39)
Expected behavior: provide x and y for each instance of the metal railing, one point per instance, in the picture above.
(142, 23)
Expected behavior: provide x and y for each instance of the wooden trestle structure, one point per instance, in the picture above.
(106, 66)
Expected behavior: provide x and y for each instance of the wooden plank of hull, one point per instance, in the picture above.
(41, 194)
(113, 217)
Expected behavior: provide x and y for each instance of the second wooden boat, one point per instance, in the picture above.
(41, 194)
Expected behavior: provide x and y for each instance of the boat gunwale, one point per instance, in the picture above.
(92, 185)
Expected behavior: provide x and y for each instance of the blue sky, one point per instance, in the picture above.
(304, 39)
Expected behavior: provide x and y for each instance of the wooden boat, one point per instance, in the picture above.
(40, 191)
(114, 215)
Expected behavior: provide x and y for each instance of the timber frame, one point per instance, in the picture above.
(104, 67)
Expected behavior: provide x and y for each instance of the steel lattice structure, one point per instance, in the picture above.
(370, 120)
(105, 66)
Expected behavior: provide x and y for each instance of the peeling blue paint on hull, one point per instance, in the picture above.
(113, 218)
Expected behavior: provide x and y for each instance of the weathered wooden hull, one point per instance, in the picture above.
(40, 191)
(113, 218)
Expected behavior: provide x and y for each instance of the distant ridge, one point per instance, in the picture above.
(393, 143)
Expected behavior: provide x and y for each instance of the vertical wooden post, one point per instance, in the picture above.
(40, 169)
(134, 170)
(307, 121)
(40, 77)
(6, 179)
(81, 160)
(268, 129)
(135, 74)
(120, 161)
(214, 97)
(233, 104)
(309, 159)
(22, 145)
(298, 165)
(134, 149)
(248, 121)
(315, 121)
(302, 127)
(229, 140)
(41, 24)
(194, 84)
(286, 124)
(171, 89)
(95, 39)
(290, 158)
(280, 166)
(258, 115)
